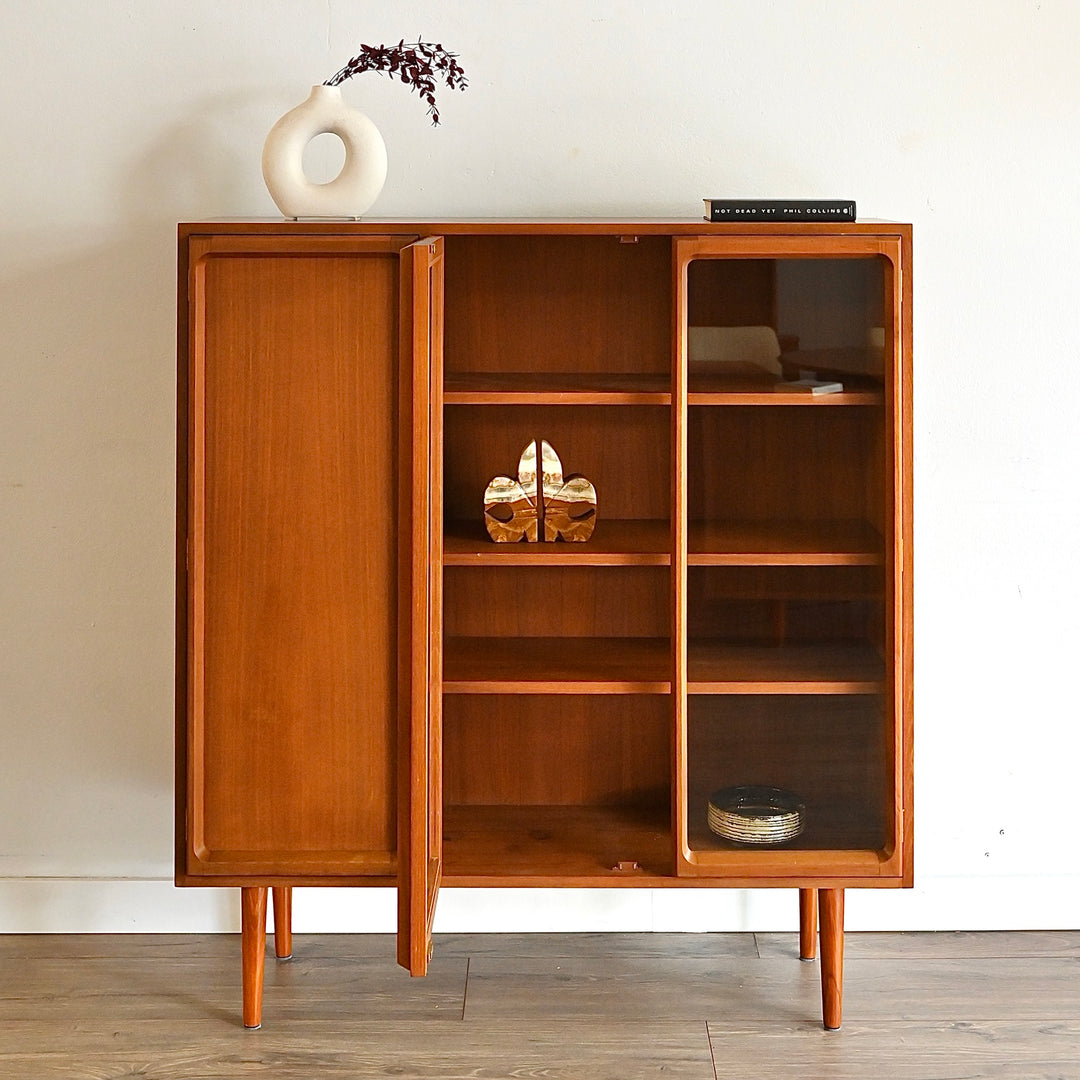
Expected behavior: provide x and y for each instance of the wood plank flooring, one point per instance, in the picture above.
(561, 1007)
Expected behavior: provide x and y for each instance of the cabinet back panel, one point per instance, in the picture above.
(557, 601)
(623, 450)
(786, 604)
(821, 309)
(558, 303)
(762, 463)
(533, 750)
(295, 746)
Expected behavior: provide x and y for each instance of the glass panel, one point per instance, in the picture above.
(771, 319)
(759, 464)
(786, 605)
(790, 729)
(798, 629)
(829, 754)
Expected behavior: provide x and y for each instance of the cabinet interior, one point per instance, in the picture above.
(559, 660)
(556, 785)
(555, 309)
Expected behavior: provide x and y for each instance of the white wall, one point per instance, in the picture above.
(122, 117)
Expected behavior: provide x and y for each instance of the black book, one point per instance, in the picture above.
(738, 210)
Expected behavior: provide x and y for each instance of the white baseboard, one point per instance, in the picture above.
(82, 905)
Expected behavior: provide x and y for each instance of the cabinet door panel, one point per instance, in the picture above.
(420, 812)
(795, 689)
(293, 620)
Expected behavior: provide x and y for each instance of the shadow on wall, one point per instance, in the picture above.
(87, 438)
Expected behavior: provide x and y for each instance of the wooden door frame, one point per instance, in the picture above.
(193, 865)
(895, 861)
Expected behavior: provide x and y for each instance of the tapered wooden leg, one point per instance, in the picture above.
(283, 922)
(831, 902)
(807, 924)
(253, 949)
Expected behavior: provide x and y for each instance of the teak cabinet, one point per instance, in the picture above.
(370, 691)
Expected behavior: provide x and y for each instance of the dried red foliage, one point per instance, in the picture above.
(419, 65)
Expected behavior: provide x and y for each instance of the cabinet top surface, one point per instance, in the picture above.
(554, 226)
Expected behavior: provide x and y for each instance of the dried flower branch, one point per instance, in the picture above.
(418, 65)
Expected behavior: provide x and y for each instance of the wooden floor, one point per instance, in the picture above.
(601, 1007)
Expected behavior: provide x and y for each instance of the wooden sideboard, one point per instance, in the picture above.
(372, 692)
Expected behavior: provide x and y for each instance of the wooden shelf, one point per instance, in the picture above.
(488, 844)
(614, 543)
(784, 543)
(749, 384)
(555, 388)
(646, 543)
(582, 388)
(774, 397)
(714, 667)
(556, 665)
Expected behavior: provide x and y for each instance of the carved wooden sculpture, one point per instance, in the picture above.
(555, 507)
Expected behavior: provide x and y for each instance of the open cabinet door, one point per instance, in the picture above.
(420, 603)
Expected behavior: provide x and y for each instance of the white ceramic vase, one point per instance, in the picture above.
(352, 192)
